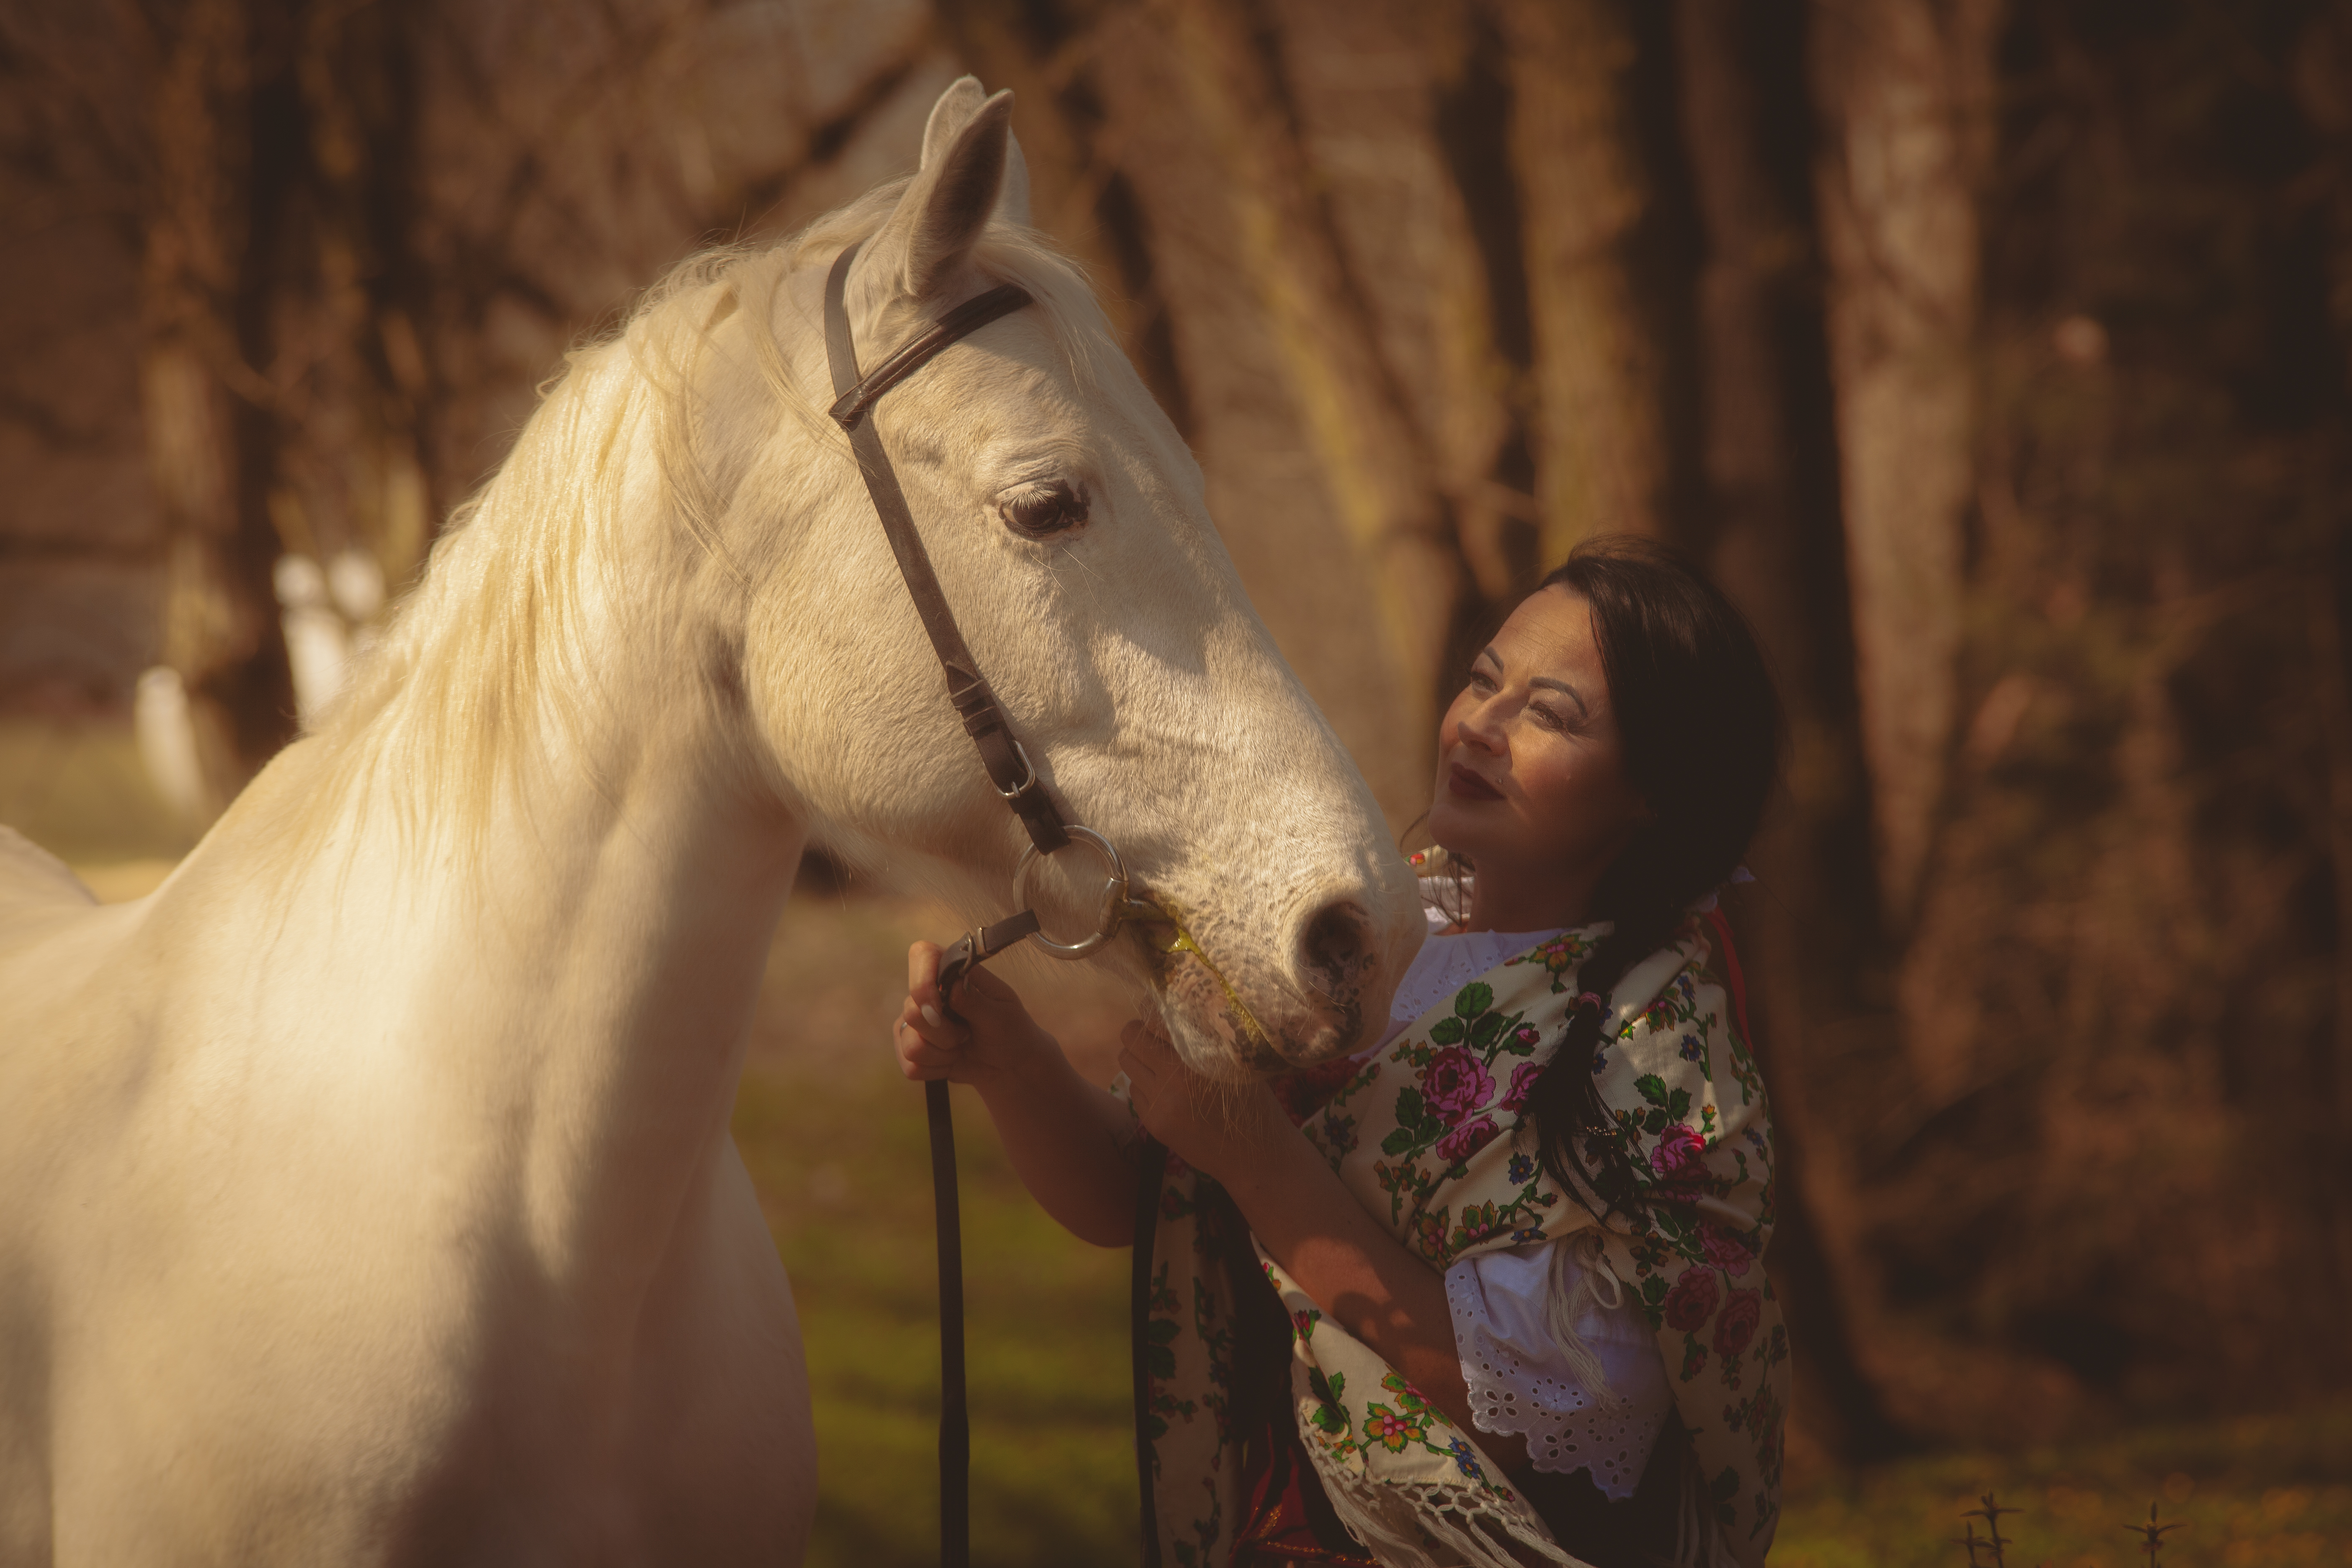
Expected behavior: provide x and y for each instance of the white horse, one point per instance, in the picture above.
(365, 1192)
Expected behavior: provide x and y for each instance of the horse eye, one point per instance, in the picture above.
(1036, 511)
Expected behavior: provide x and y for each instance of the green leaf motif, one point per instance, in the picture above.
(1483, 1032)
(1445, 1031)
(1655, 1123)
(1409, 1109)
(1652, 1087)
(1678, 1104)
(1398, 1141)
(1474, 999)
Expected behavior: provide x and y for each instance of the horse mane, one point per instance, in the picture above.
(432, 720)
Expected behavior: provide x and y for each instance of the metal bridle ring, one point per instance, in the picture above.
(1114, 899)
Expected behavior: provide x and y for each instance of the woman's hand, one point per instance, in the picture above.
(994, 1040)
(1068, 1138)
(1222, 1130)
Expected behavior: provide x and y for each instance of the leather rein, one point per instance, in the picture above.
(1015, 777)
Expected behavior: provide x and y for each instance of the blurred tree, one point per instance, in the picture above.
(1905, 91)
(218, 95)
(1770, 525)
(282, 380)
(2122, 991)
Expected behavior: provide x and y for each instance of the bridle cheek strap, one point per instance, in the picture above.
(1009, 767)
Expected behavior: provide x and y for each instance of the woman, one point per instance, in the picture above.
(1536, 1210)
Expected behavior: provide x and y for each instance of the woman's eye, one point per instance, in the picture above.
(1038, 510)
(1547, 718)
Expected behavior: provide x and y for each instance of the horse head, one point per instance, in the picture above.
(1067, 523)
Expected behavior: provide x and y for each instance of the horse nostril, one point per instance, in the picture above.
(1335, 951)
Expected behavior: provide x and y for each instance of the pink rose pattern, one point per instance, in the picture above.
(1726, 1250)
(1466, 1140)
(1446, 1116)
(1737, 1324)
(1680, 1156)
(1455, 1084)
(1693, 1300)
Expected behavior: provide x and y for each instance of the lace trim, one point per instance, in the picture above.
(1566, 1428)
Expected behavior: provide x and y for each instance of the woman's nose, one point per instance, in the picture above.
(1478, 728)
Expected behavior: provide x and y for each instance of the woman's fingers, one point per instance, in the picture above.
(1158, 1079)
(927, 1024)
(921, 1060)
(923, 982)
(929, 1042)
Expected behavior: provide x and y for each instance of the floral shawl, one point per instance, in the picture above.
(1427, 1133)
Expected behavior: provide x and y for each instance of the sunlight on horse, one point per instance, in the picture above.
(365, 1192)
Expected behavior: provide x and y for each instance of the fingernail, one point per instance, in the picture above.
(930, 1016)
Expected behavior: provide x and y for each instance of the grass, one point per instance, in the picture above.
(2253, 1492)
(840, 1162)
(75, 787)
(835, 1141)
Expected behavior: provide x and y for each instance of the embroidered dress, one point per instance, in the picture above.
(1427, 1133)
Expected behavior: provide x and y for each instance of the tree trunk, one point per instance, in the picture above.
(358, 72)
(201, 396)
(1904, 87)
(1773, 541)
(1608, 268)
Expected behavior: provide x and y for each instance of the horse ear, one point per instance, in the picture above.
(964, 99)
(951, 200)
(1012, 201)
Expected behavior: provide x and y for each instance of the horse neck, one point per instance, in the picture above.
(579, 941)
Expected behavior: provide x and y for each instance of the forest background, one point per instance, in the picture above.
(1995, 358)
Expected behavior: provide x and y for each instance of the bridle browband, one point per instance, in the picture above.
(1014, 776)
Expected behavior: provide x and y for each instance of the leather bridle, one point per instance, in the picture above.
(1014, 776)
(1009, 767)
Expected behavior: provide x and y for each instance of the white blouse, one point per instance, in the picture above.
(1522, 1382)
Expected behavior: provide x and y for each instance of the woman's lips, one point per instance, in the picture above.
(1463, 784)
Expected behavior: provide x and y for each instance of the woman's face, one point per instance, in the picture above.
(1530, 768)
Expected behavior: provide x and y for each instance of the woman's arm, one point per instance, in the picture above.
(1066, 1138)
(1361, 1274)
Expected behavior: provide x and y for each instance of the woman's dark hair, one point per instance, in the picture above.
(1700, 725)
